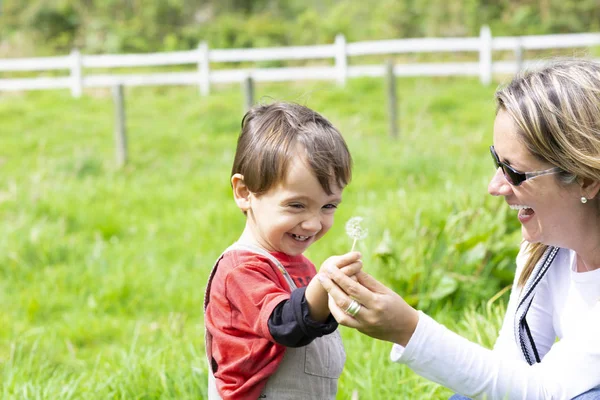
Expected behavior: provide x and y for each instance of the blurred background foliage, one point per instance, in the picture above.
(39, 27)
(102, 270)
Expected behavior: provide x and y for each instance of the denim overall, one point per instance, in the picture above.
(308, 372)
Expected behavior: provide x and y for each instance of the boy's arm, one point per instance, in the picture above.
(291, 326)
(316, 301)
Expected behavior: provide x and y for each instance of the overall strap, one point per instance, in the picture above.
(522, 333)
(254, 249)
(259, 250)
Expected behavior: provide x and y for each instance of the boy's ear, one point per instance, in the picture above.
(589, 187)
(241, 194)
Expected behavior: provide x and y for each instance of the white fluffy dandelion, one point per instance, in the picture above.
(356, 230)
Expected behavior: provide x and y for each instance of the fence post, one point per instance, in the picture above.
(204, 68)
(248, 86)
(519, 54)
(392, 100)
(120, 131)
(485, 55)
(341, 62)
(76, 74)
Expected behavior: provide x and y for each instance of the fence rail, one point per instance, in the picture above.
(339, 52)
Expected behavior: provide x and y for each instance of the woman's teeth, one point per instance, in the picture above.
(300, 238)
(518, 207)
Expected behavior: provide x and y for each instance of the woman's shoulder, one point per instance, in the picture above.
(563, 255)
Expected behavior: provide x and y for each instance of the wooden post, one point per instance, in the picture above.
(204, 69)
(248, 87)
(76, 74)
(485, 55)
(519, 55)
(392, 100)
(341, 62)
(120, 131)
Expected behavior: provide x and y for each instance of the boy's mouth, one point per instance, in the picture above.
(300, 238)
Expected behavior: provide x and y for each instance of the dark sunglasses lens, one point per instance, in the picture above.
(510, 176)
(513, 177)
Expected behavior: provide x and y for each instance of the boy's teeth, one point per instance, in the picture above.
(298, 237)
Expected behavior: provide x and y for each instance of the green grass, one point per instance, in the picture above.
(102, 271)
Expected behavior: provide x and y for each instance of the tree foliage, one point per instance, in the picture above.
(100, 26)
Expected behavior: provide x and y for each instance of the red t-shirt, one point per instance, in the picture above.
(243, 293)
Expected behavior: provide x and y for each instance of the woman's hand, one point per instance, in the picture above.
(316, 298)
(383, 314)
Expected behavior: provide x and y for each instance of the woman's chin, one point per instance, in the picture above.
(531, 235)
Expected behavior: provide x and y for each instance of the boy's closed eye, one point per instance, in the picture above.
(330, 208)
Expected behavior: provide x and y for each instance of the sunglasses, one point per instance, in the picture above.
(515, 177)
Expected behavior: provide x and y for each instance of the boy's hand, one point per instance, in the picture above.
(349, 263)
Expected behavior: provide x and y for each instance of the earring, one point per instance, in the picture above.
(583, 199)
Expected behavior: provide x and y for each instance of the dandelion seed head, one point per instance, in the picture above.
(355, 228)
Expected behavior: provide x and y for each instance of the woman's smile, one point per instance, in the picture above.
(525, 214)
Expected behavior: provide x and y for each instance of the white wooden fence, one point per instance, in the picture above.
(340, 52)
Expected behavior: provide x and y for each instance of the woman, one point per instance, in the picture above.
(548, 124)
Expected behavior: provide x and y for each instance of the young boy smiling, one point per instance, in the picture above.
(269, 332)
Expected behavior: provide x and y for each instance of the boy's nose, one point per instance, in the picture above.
(312, 224)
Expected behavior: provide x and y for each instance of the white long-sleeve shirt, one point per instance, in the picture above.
(564, 319)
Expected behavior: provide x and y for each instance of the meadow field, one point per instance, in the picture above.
(103, 270)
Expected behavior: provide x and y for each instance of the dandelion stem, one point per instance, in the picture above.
(353, 244)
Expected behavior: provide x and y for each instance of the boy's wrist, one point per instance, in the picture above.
(316, 299)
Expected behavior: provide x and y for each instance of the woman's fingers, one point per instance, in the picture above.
(350, 287)
(383, 314)
(338, 302)
(341, 317)
(340, 298)
(352, 269)
(371, 283)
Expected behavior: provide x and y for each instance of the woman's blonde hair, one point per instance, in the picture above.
(556, 110)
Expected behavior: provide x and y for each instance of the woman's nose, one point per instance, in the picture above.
(499, 186)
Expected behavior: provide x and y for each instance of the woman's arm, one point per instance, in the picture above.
(431, 350)
(438, 354)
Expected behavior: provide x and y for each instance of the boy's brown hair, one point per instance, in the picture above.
(269, 138)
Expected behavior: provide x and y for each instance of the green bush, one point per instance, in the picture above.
(100, 26)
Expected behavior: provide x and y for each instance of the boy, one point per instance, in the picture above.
(269, 333)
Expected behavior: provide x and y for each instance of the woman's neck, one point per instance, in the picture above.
(587, 264)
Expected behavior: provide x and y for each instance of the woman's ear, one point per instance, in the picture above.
(589, 187)
(241, 194)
